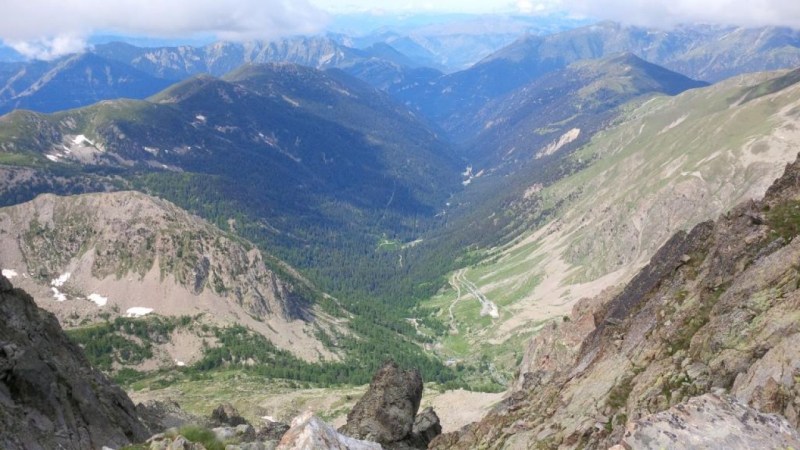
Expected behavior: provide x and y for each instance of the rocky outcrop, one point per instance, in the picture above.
(226, 414)
(386, 413)
(711, 422)
(50, 396)
(309, 432)
(716, 310)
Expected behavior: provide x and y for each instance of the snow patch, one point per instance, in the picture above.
(200, 118)
(58, 295)
(98, 299)
(9, 273)
(81, 139)
(470, 176)
(566, 138)
(58, 282)
(180, 363)
(138, 311)
(53, 158)
(674, 124)
(290, 101)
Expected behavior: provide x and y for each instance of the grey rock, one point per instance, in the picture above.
(226, 414)
(711, 422)
(309, 432)
(51, 397)
(160, 416)
(272, 431)
(385, 414)
(426, 428)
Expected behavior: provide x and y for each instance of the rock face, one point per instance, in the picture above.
(385, 413)
(51, 397)
(309, 432)
(712, 422)
(716, 310)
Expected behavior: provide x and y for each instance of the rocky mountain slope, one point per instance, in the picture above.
(379, 64)
(670, 163)
(559, 111)
(94, 257)
(339, 154)
(71, 82)
(51, 396)
(715, 310)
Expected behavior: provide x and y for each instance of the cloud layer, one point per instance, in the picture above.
(49, 28)
(665, 13)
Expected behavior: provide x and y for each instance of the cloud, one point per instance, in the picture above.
(49, 28)
(665, 13)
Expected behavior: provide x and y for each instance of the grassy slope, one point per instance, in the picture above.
(672, 163)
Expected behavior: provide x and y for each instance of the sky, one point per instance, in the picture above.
(49, 28)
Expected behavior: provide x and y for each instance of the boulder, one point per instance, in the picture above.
(226, 414)
(309, 432)
(386, 412)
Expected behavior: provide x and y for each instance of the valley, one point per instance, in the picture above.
(548, 223)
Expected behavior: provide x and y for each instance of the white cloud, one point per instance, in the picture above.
(664, 13)
(48, 28)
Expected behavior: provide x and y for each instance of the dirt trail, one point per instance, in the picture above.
(488, 307)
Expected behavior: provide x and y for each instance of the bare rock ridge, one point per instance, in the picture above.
(715, 312)
(129, 234)
(50, 397)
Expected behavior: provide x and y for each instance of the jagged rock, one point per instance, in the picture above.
(385, 414)
(711, 422)
(50, 396)
(226, 414)
(309, 432)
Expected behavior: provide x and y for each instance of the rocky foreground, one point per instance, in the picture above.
(52, 398)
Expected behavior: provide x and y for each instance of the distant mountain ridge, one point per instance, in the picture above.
(71, 82)
(707, 53)
(583, 98)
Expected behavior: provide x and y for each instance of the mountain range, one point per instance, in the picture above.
(575, 217)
